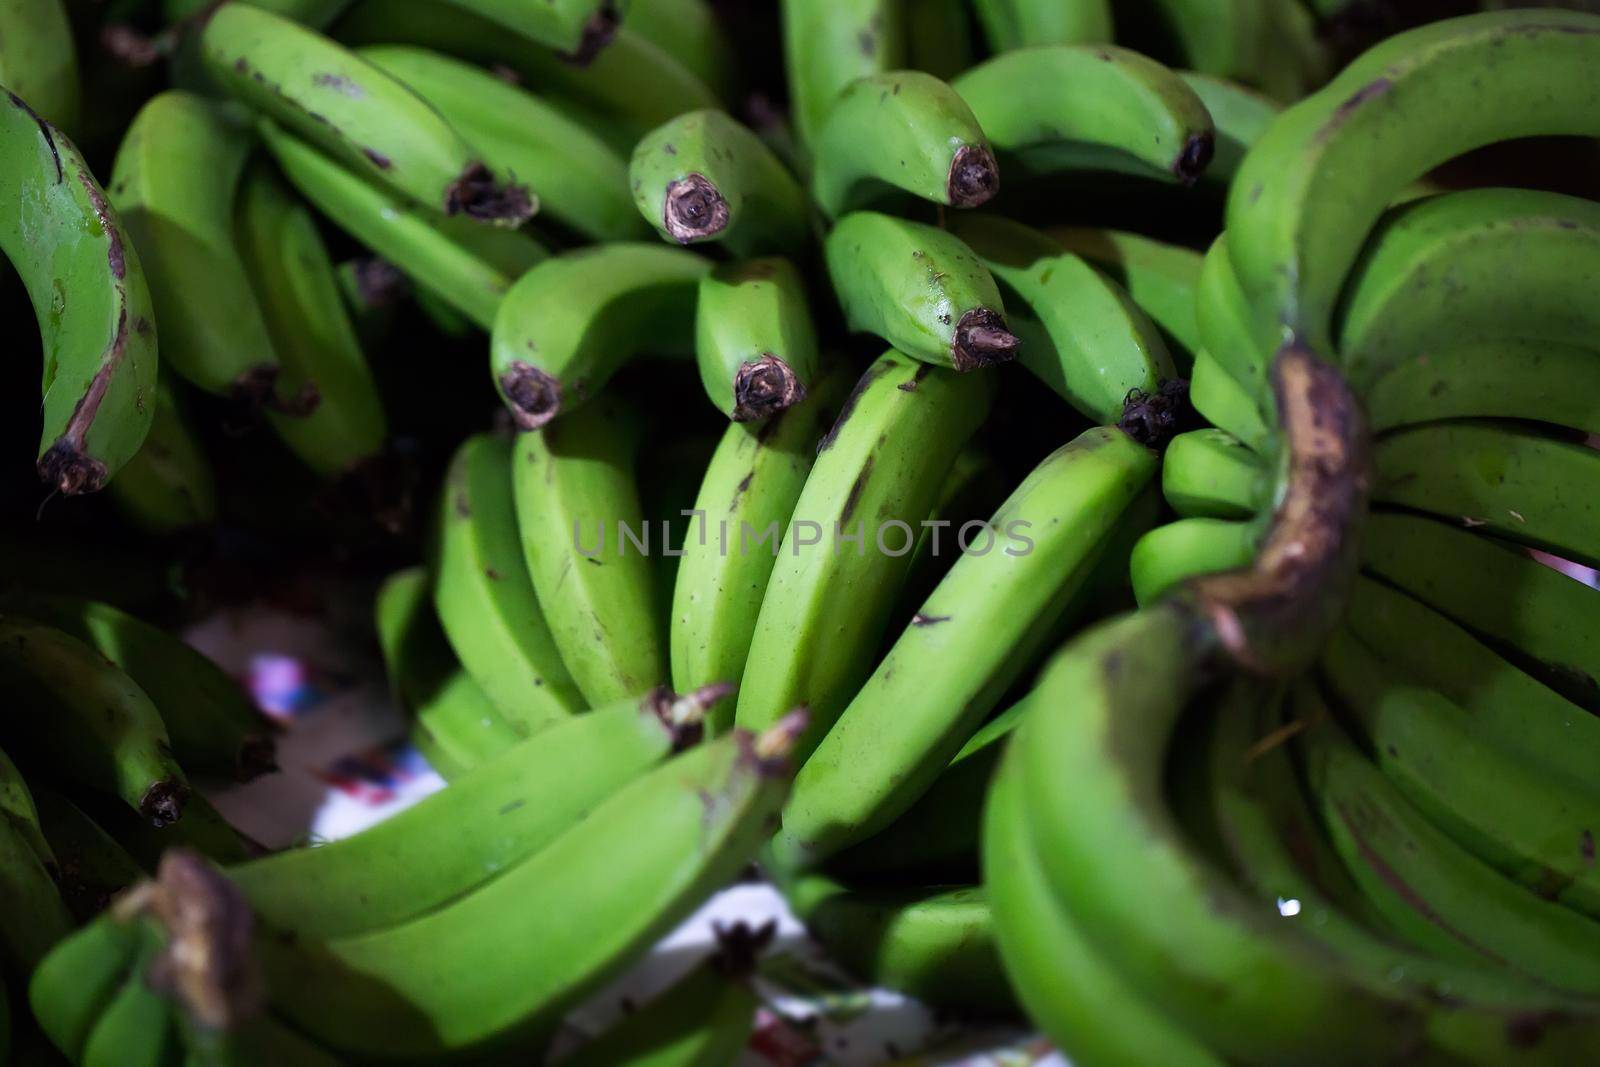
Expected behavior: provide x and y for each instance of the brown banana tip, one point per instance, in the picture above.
(247, 397)
(66, 468)
(379, 283)
(1195, 157)
(1154, 419)
(208, 965)
(258, 755)
(764, 387)
(739, 947)
(164, 801)
(982, 340)
(773, 745)
(477, 195)
(974, 176)
(532, 396)
(598, 32)
(695, 209)
(300, 404)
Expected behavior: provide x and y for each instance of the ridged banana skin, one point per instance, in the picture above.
(705, 177)
(1224, 317)
(1240, 116)
(1009, 24)
(1170, 555)
(32, 915)
(298, 291)
(918, 287)
(1218, 396)
(754, 339)
(1108, 105)
(1540, 381)
(570, 323)
(1499, 478)
(469, 267)
(175, 181)
(1217, 961)
(883, 461)
(576, 493)
(959, 654)
(138, 1027)
(577, 28)
(168, 486)
(901, 130)
(38, 61)
(754, 480)
(18, 811)
(485, 596)
(582, 183)
(703, 1020)
(538, 790)
(100, 346)
(1161, 278)
(355, 112)
(827, 44)
(1092, 344)
(527, 946)
(1314, 186)
(1210, 474)
(72, 986)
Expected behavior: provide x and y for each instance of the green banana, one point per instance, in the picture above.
(93, 867)
(355, 112)
(570, 323)
(881, 465)
(298, 292)
(214, 727)
(88, 720)
(581, 181)
(752, 484)
(372, 288)
(537, 789)
(18, 811)
(33, 916)
(577, 29)
(1240, 116)
(572, 482)
(962, 649)
(691, 32)
(168, 487)
(1161, 278)
(1507, 378)
(1082, 334)
(828, 44)
(754, 339)
(1225, 40)
(72, 986)
(919, 288)
(469, 267)
(1093, 106)
(202, 829)
(939, 39)
(1209, 473)
(1009, 24)
(38, 61)
(1217, 395)
(1171, 554)
(485, 597)
(99, 347)
(705, 177)
(456, 723)
(901, 130)
(1223, 315)
(137, 1028)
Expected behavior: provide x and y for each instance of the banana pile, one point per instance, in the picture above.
(1124, 596)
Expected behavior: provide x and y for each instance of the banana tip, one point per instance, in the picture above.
(164, 801)
(982, 340)
(477, 195)
(974, 176)
(1195, 157)
(533, 397)
(65, 467)
(695, 209)
(764, 387)
(598, 32)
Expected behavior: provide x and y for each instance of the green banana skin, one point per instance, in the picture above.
(214, 727)
(1089, 340)
(753, 482)
(939, 38)
(754, 340)
(1239, 115)
(1223, 39)
(581, 181)
(261, 1041)
(828, 44)
(920, 288)
(38, 61)
(1069, 987)
(356, 113)
(1161, 278)
(93, 866)
(99, 346)
(138, 1028)
(17, 810)
(1210, 474)
(1433, 752)
(73, 985)
(298, 292)
(1504, 480)
(538, 789)
(576, 494)
(570, 323)
(1224, 319)
(89, 720)
(691, 32)
(1105, 105)
(455, 718)
(485, 596)
(1314, 186)
(1170, 555)
(372, 288)
(469, 269)
(168, 486)
(958, 655)
(203, 829)
(1009, 24)
(1557, 384)
(1218, 396)
(826, 606)
(935, 944)
(578, 29)
(903, 130)
(32, 915)
(705, 177)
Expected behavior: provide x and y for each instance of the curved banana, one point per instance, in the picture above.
(1223, 314)
(570, 323)
(919, 288)
(100, 346)
(902, 130)
(92, 867)
(1210, 474)
(355, 112)
(1225, 39)
(1217, 395)
(1161, 278)
(827, 44)
(705, 177)
(168, 486)
(138, 1027)
(18, 811)
(1509, 378)
(582, 183)
(693, 33)
(577, 29)
(32, 915)
(827, 602)
(1240, 116)
(1090, 106)
(703, 1020)
(1171, 554)
(754, 339)
(939, 39)
(1009, 24)
(38, 61)
(1086, 337)
(485, 597)
(964, 647)
(72, 986)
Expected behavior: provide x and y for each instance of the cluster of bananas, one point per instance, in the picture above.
(1310, 781)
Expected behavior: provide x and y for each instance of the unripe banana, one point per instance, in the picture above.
(1217, 395)
(570, 323)
(693, 33)
(920, 289)
(827, 44)
(1210, 474)
(1508, 378)
(1170, 555)
(38, 61)
(1239, 115)
(73, 985)
(168, 486)
(578, 29)
(1009, 24)
(1161, 278)
(705, 177)
(32, 915)
(754, 339)
(1224, 315)
(901, 130)
(939, 39)
(92, 867)
(138, 1028)
(17, 810)
(1223, 38)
